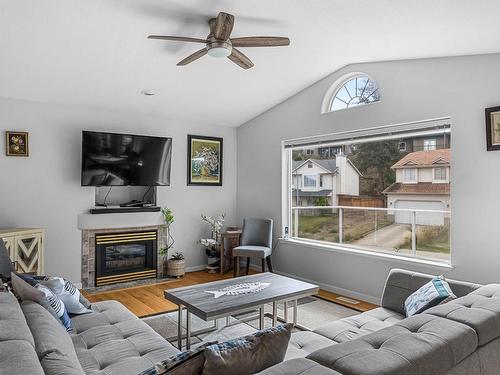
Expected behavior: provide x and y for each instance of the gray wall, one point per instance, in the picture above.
(44, 190)
(459, 87)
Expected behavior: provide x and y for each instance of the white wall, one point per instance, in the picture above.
(44, 190)
(352, 180)
(411, 90)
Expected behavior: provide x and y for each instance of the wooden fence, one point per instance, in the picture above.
(361, 201)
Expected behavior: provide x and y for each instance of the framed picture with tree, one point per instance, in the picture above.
(492, 128)
(204, 160)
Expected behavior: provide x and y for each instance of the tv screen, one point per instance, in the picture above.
(110, 159)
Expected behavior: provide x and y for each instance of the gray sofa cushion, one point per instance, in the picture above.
(299, 366)
(13, 325)
(400, 284)
(479, 310)
(53, 344)
(422, 344)
(18, 357)
(17, 346)
(303, 343)
(356, 326)
(111, 340)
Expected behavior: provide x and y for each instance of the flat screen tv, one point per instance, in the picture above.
(110, 159)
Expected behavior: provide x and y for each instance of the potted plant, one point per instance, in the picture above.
(176, 265)
(168, 217)
(212, 244)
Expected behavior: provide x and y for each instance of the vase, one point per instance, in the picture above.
(176, 268)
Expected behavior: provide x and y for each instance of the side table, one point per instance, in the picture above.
(226, 254)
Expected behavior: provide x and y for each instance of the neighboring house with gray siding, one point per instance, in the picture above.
(314, 180)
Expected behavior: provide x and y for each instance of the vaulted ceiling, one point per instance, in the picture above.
(94, 53)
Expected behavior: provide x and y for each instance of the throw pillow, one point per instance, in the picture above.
(250, 354)
(6, 266)
(431, 294)
(189, 362)
(67, 293)
(42, 295)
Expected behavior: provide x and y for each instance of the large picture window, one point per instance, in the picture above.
(373, 194)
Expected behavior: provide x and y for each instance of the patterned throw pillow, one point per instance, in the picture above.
(40, 294)
(189, 362)
(431, 294)
(250, 354)
(67, 293)
(57, 305)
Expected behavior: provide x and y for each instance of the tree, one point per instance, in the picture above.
(374, 160)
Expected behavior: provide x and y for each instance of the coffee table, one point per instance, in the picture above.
(197, 301)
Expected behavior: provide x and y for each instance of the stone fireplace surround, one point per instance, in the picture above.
(90, 225)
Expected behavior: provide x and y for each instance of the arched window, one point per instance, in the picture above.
(353, 91)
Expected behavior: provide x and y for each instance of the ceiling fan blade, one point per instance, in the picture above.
(260, 41)
(239, 58)
(195, 56)
(177, 38)
(223, 26)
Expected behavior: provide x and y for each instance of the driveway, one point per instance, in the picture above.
(387, 237)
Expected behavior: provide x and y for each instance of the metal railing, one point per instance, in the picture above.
(380, 217)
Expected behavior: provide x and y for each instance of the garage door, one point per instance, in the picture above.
(423, 218)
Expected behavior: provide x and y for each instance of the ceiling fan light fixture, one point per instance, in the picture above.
(216, 48)
(219, 52)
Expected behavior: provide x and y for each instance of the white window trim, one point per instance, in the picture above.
(402, 149)
(405, 181)
(337, 248)
(445, 181)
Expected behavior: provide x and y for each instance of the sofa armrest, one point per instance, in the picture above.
(402, 283)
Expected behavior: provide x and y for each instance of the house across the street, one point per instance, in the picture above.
(422, 183)
(316, 181)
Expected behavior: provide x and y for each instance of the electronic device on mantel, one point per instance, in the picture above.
(110, 159)
(134, 164)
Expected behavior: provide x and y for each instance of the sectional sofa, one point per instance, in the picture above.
(461, 337)
(458, 338)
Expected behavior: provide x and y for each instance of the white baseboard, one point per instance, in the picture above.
(200, 267)
(335, 289)
(328, 287)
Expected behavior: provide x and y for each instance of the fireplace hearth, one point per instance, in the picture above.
(123, 257)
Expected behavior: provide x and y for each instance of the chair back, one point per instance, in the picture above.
(257, 232)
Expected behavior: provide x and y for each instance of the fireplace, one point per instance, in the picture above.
(123, 257)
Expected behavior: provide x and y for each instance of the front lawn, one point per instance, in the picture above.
(356, 225)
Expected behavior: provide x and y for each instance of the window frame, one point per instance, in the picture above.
(407, 181)
(346, 138)
(443, 180)
(315, 177)
(434, 144)
(331, 93)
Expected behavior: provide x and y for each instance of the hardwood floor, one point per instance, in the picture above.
(145, 300)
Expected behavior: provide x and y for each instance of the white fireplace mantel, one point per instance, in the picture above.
(87, 221)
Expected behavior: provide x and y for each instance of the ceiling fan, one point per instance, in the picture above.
(219, 44)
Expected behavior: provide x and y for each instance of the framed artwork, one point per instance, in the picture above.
(204, 160)
(493, 128)
(16, 143)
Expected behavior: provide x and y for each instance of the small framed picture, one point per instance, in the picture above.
(16, 143)
(204, 160)
(493, 128)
